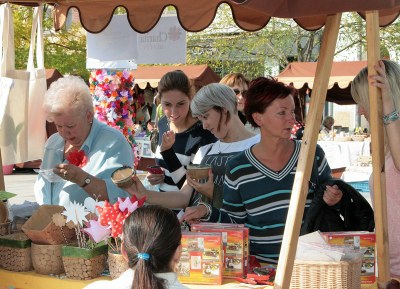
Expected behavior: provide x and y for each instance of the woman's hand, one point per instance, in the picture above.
(206, 189)
(194, 214)
(155, 179)
(379, 80)
(71, 173)
(332, 195)
(136, 188)
(167, 141)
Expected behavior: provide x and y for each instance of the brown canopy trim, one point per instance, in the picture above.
(199, 74)
(250, 15)
(301, 76)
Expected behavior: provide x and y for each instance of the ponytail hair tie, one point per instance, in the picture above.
(143, 256)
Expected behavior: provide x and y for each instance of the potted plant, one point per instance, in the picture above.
(108, 227)
(84, 259)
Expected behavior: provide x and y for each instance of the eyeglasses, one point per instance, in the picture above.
(237, 91)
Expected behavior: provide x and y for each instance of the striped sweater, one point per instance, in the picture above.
(175, 160)
(258, 197)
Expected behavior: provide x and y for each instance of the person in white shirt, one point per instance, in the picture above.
(151, 243)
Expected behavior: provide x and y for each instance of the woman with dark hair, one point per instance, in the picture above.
(151, 244)
(180, 134)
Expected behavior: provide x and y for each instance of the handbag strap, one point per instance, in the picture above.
(36, 27)
(7, 39)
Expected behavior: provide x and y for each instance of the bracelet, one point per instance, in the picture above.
(207, 217)
(391, 117)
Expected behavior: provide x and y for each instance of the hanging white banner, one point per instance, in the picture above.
(119, 46)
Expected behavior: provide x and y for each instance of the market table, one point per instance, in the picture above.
(31, 280)
(342, 154)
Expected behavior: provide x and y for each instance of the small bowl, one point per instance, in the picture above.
(122, 176)
(198, 172)
(358, 137)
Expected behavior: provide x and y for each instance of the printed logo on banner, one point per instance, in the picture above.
(164, 44)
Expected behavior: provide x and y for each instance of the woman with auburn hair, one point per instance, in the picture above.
(259, 180)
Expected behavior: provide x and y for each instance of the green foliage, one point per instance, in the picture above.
(226, 48)
(64, 50)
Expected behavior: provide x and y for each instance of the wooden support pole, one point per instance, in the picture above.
(2, 185)
(378, 157)
(307, 153)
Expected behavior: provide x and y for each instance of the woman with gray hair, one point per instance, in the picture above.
(84, 152)
(215, 106)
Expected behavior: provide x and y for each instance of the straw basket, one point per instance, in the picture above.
(82, 263)
(328, 275)
(46, 259)
(15, 252)
(116, 264)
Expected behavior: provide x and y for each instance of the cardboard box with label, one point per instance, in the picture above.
(363, 240)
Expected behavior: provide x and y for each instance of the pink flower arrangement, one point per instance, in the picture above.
(113, 100)
(111, 218)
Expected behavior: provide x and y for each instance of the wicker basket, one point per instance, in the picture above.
(15, 252)
(46, 259)
(82, 263)
(327, 275)
(116, 264)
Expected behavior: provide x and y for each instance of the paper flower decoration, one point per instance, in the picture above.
(76, 213)
(113, 99)
(127, 205)
(113, 216)
(77, 158)
(91, 204)
(96, 231)
(107, 213)
(58, 220)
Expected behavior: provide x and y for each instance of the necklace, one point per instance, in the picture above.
(220, 151)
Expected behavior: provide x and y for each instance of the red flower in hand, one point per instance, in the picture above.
(77, 158)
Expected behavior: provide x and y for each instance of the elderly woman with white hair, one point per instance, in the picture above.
(215, 106)
(84, 152)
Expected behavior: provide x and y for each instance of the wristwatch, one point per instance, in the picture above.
(88, 180)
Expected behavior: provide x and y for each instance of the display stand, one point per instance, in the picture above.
(31, 280)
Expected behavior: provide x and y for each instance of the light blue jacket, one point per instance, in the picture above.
(107, 150)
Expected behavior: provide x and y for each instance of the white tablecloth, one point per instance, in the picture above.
(344, 154)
